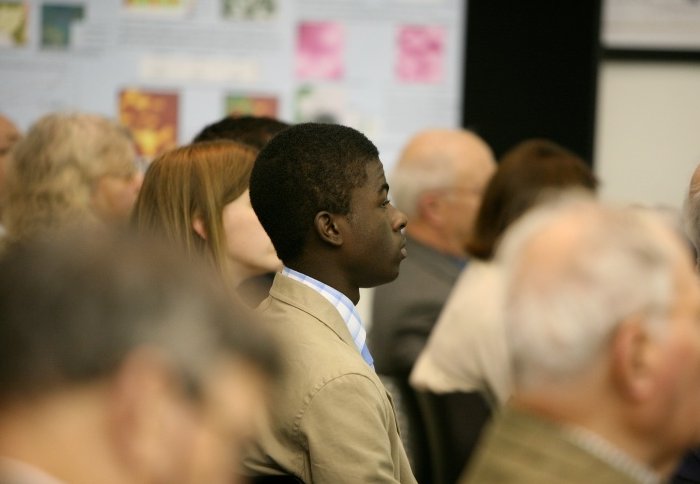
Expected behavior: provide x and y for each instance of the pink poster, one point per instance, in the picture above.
(421, 52)
(320, 47)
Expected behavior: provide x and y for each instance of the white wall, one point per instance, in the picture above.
(647, 131)
(364, 307)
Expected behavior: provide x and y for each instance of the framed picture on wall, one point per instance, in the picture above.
(652, 29)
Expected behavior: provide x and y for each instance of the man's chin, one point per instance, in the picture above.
(388, 278)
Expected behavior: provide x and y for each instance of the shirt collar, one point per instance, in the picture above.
(347, 310)
(608, 453)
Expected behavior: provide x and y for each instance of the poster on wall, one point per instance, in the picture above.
(251, 105)
(13, 24)
(167, 68)
(420, 57)
(57, 21)
(249, 9)
(151, 116)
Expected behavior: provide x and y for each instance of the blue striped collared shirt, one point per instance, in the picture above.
(345, 307)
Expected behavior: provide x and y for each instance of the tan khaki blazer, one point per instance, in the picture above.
(332, 421)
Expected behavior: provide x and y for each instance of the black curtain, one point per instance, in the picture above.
(531, 71)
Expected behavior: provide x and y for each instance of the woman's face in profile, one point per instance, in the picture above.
(249, 249)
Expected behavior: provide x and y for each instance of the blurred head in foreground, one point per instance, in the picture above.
(603, 319)
(120, 363)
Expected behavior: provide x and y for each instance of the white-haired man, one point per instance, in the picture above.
(602, 311)
(123, 363)
(438, 182)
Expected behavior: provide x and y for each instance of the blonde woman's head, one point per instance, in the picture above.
(70, 169)
(197, 197)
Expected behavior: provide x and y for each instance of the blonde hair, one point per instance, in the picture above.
(53, 169)
(194, 182)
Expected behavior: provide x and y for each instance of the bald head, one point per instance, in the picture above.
(438, 182)
(448, 148)
(601, 311)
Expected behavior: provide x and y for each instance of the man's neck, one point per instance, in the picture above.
(61, 438)
(573, 408)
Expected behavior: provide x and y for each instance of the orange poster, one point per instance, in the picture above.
(152, 117)
(241, 105)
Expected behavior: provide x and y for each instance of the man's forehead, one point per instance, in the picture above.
(375, 172)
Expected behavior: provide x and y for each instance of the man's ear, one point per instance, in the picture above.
(137, 408)
(634, 357)
(327, 227)
(198, 226)
(429, 206)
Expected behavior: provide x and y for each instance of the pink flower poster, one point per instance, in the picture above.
(320, 49)
(421, 52)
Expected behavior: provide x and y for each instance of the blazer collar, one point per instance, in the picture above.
(311, 302)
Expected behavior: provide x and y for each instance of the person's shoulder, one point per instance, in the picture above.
(317, 342)
(479, 283)
(348, 392)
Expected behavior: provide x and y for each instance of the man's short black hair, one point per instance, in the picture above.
(305, 169)
(254, 131)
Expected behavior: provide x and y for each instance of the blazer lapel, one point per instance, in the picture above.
(311, 302)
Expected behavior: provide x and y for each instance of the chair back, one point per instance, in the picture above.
(411, 425)
(453, 424)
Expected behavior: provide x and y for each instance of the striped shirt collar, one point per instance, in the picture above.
(347, 310)
(605, 451)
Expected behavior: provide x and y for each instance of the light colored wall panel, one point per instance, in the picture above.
(648, 131)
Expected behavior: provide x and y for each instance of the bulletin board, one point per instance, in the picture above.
(166, 68)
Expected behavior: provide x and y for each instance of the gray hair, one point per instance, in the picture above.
(562, 304)
(409, 182)
(53, 169)
(72, 309)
